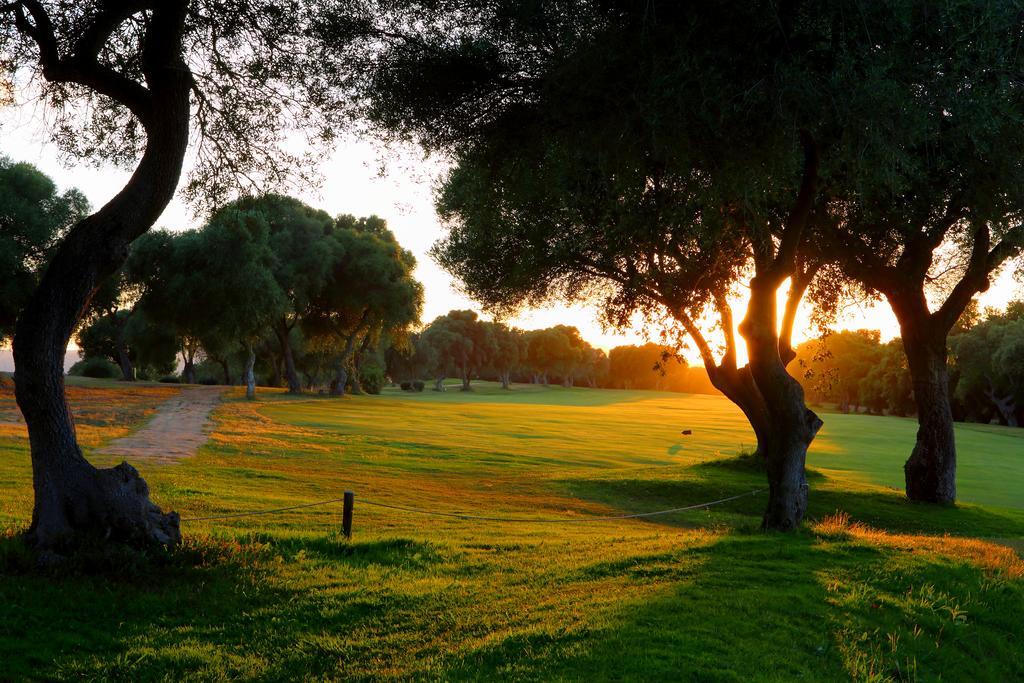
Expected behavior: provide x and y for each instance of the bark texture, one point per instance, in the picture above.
(930, 472)
(793, 425)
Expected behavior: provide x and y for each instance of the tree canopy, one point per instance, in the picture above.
(33, 218)
(658, 155)
(369, 291)
(663, 154)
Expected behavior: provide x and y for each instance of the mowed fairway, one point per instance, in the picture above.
(693, 595)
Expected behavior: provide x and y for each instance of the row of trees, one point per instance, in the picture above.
(270, 276)
(662, 154)
(461, 345)
(669, 154)
(986, 380)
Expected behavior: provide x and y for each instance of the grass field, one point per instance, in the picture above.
(883, 590)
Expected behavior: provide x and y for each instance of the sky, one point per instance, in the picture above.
(356, 181)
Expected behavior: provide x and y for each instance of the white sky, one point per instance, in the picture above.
(353, 183)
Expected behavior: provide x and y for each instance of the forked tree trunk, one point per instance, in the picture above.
(188, 372)
(439, 384)
(250, 373)
(73, 498)
(793, 425)
(930, 472)
(505, 381)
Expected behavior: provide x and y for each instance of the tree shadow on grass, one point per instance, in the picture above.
(714, 480)
(215, 608)
(775, 607)
(745, 607)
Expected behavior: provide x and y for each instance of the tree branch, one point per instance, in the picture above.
(797, 287)
(796, 221)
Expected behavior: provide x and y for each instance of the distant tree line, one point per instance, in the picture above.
(461, 346)
(269, 291)
(856, 371)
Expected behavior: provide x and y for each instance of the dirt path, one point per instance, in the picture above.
(177, 430)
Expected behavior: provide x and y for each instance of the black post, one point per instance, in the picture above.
(346, 515)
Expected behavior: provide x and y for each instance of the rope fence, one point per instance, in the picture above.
(349, 501)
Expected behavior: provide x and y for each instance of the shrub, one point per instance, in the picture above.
(418, 385)
(170, 379)
(372, 380)
(96, 367)
(406, 386)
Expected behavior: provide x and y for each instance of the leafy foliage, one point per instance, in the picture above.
(33, 218)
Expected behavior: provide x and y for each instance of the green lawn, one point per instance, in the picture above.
(903, 592)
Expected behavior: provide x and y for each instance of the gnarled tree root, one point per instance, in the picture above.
(111, 504)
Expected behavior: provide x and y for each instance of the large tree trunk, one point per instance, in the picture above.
(283, 333)
(73, 499)
(121, 342)
(357, 387)
(250, 374)
(930, 472)
(793, 425)
(340, 379)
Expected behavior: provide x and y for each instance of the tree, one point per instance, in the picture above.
(33, 218)
(596, 367)
(650, 366)
(459, 344)
(114, 306)
(408, 358)
(989, 359)
(369, 291)
(836, 365)
(661, 154)
(929, 207)
(305, 250)
(887, 386)
(167, 297)
(233, 300)
(131, 341)
(557, 351)
(509, 351)
(131, 82)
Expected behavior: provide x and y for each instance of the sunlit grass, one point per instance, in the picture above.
(874, 588)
